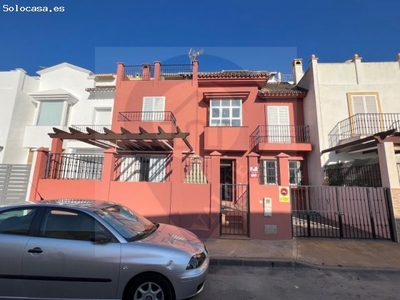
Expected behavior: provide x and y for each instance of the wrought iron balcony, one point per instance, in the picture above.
(280, 134)
(98, 128)
(362, 125)
(146, 116)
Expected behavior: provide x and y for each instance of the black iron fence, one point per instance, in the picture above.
(98, 128)
(341, 212)
(350, 174)
(280, 134)
(360, 125)
(142, 168)
(234, 209)
(74, 166)
(139, 72)
(131, 116)
(176, 71)
(195, 169)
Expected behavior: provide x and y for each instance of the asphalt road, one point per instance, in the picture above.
(241, 283)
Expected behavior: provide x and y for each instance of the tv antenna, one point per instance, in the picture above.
(193, 54)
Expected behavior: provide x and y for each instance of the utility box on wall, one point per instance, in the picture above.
(267, 203)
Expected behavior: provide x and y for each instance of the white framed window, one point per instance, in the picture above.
(226, 112)
(269, 171)
(52, 113)
(295, 176)
(150, 168)
(278, 124)
(153, 109)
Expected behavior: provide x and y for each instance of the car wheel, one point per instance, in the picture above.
(150, 287)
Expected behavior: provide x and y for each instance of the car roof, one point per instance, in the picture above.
(89, 204)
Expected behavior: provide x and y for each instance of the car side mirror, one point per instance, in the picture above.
(99, 238)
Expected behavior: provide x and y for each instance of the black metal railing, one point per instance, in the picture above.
(195, 169)
(360, 125)
(280, 134)
(234, 209)
(349, 174)
(148, 116)
(142, 168)
(98, 128)
(139, 72)
(176, 71)
(341, 212)
(74, 166)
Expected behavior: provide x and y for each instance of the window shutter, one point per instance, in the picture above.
(283, 113)
(370, 104)
(358, 105)
(272, 114)
(153, 108)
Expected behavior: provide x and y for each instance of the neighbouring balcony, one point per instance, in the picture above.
(158, 71)
(281, 137)
(362, 125)
(98, 128)
(148, 120)
(226, 138)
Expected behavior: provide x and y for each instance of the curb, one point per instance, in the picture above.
(279, 263)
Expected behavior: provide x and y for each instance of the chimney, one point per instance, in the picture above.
(297, 70)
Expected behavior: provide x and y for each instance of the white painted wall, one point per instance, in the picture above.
(326, 102)
(15, 113)
(75, 81)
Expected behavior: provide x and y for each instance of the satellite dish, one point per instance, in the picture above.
(193, 54)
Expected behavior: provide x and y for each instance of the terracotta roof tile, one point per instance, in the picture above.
(101, 88)
(281, 89)
(235, 74)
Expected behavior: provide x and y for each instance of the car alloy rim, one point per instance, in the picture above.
(149, 291)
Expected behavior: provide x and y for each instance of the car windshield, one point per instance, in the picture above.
(130, 225)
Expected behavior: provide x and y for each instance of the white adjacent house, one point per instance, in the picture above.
(60, 96)
(346, 105)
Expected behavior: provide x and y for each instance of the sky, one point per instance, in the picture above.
(234, 34)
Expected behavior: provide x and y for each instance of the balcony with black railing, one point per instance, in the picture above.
(281, 137)
(98, 128)
(362, 125)
(148, 120)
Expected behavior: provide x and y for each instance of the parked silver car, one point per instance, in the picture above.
(86, 249)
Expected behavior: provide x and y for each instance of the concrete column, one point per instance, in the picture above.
(56, 145)
(195, 72)
(176, 178)
(157, 71)
(215, 197)
(39, 173)
(120, 73)
(388, 165)
(146, 72)
(107, 176)
(255, 203)
(283, 169)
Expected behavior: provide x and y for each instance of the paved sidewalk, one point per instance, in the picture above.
(316, 252)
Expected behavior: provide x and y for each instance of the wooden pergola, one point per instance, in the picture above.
(125, 140)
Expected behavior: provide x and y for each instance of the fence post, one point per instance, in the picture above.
(38, 172)
(215, 199)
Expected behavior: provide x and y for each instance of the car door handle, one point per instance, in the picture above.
(35, 250)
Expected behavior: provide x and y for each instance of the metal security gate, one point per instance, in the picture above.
(341, 212)
(14, 181)
(234, 209)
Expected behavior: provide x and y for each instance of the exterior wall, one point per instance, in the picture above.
(15, 114)
(395, 193)
(326, 103)
(75, 81)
